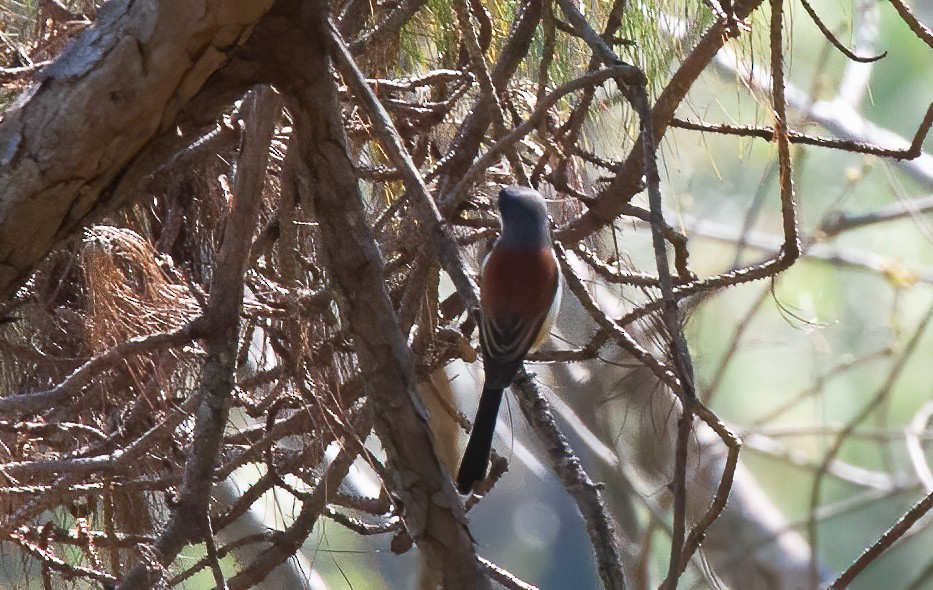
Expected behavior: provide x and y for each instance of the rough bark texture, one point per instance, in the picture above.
(120, 84)
(432, 513)
(221, 324)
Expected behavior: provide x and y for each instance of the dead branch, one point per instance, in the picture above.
(886, 540)
(51, 186)
(586, 493)
(30, 403)
(220, 339)
(842, 437)
(919, 29)
(433, 515)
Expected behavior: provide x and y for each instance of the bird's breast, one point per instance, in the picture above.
(518, 285)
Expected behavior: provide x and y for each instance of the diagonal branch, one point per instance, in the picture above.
(222, 317)
(27, 403)
(142, 62)
(472, 132)
(890, 536)
(922, 31)
(325, 177)
(834, 41)
(840, 439)
(586, 493)
(610, 201)
(505, 142)
(387, 27)
(290, 540)
(390, 140)
(487, 88)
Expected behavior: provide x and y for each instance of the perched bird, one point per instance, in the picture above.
(520, 288)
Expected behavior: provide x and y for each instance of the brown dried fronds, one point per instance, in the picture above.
(128, 292)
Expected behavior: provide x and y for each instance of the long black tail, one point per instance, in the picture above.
(476, 457)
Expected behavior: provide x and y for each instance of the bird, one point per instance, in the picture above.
(520, 292)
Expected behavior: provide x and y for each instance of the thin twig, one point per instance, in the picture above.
(472, 132)
(714, 510)
(627, 181)
(884, 543)
(790, 249)
(507, 140)
(796, 137)
(212, 556)
(390, 525)
(661, 371)
(391, 141)
(836, 224)
(288, 542)
(507, 579)
(387, 27)
(53, 562)
(480, 68)
(25, 403)
(709, 392)
(843, 436)
(614, 273)
(838, 116)
(834, 41)
(920, 30)
(843, 257)
(586, 493)
(679, 491)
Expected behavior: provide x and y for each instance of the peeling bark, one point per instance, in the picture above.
(75, 131)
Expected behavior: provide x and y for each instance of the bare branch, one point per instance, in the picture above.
(488, 90)
(443, 242)
(58, 564)
(434, 516)
(841, 222)
(796, 137)
(920, 30)
(840, 118)
(506, 141)
(617, 332)
(842, 437)
(51, 186)
(627, 182)
(586, 493)
(29, 403)
(290, 540)
(222, 317)
(884, 543)
(508, 580)
(835, 42)
(472, 131)
(388, 26)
